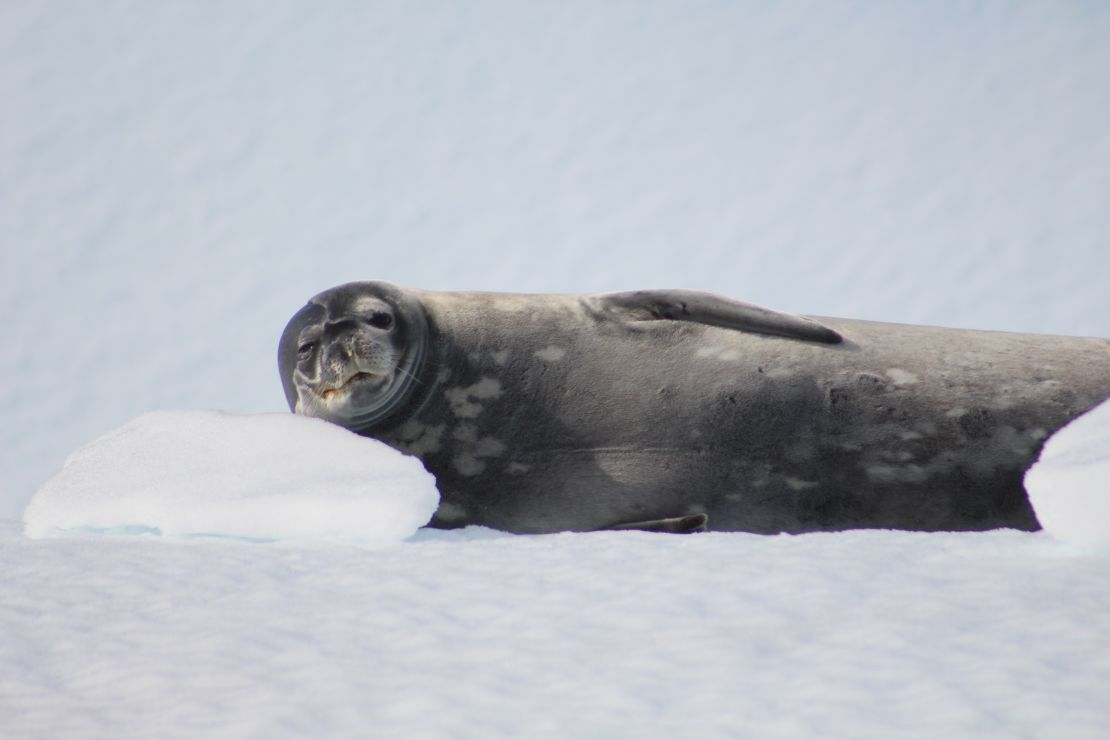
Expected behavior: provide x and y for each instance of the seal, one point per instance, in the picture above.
(676, 411)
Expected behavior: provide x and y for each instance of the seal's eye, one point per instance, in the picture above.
(381, 321)
(306, 349)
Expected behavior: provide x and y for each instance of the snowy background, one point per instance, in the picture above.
(180, 177)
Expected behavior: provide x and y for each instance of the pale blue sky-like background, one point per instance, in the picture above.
(180, 177)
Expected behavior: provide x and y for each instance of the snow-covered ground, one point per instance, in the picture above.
(1069, 485)
(629, 635)
(259, 477)
(179, 177)
(163, 600)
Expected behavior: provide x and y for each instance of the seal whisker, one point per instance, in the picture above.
(408, 373)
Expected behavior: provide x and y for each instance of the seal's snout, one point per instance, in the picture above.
(336, 363)
(348, 383)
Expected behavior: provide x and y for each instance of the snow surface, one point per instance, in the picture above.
(179, 177)
(1069, 485)
(476, 634)
(261, 477)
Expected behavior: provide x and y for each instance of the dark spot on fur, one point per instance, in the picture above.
(976, 422)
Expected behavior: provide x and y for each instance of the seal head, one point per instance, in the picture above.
(351, 356)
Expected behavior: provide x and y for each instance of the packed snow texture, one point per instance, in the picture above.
(180, 177)
(261, 477)
(1069, 486)
(475, 634)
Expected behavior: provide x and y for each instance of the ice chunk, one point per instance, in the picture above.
(1069, 486)
(261, 477)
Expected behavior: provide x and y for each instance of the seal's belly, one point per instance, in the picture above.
(756, 433)
(577, 489)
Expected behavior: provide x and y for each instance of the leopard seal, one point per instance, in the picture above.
(674, 410)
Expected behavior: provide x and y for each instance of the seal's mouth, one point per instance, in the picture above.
(347, 384)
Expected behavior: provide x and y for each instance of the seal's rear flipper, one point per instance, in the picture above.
(677, 525)
(706, 308)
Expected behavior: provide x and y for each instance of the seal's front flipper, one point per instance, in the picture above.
(706, 308)
(676, 525)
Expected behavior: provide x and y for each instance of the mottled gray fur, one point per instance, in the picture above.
(657, 409)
